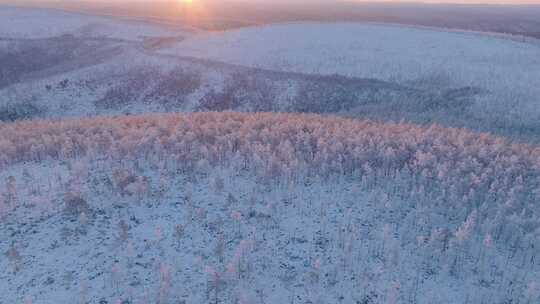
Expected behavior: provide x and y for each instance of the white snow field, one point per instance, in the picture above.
(507, 69)
(117, 66)
(21, 23)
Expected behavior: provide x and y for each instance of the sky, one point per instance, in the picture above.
(465, 1)
(307, 1)
(397, 1)
(405, 1)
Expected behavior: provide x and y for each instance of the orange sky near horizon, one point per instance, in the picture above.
(307, 1)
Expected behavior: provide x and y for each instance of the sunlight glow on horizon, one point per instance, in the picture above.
(472, 2)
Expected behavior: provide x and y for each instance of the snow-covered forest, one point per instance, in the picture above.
(151, 164)
(267, 207)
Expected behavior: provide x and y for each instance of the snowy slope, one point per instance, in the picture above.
(508, 69)
(323, 242)
(264, 208)
(255, 208)
(21, 23)
(364, 50)
(115, 66)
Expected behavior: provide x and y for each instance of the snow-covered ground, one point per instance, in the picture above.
(184, 240)
(264, 208)
(24, 23)
(115, 66)
(369, 51)
(509, 70)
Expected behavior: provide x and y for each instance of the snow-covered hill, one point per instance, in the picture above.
(379, 51)
(255, 208)
(25, 23)
(264, 208)
(111, 66)
(508, 70)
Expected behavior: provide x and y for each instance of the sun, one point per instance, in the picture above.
(191, 12)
